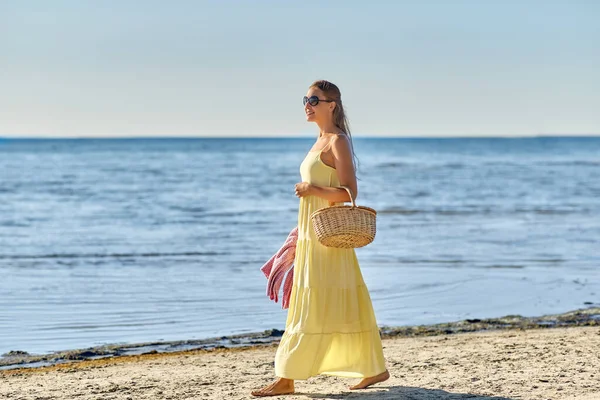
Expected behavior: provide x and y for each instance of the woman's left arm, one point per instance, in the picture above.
(342, 155)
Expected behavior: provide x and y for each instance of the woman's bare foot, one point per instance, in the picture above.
(280, 386)
(384, 376)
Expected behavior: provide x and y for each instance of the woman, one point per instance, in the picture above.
(331, 327)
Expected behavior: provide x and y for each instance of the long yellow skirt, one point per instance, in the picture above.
(331, 327)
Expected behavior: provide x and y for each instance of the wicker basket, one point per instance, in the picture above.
(345, 226)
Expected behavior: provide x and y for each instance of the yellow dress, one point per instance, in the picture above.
(331, 327)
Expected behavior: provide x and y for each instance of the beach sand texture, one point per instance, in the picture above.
(553, 363)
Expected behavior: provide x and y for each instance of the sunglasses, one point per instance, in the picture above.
(313, 100)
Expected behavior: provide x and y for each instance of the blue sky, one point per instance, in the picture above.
(240, 68)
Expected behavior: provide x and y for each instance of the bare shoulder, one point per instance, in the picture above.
(340, 143)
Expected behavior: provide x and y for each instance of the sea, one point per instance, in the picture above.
(120, 241)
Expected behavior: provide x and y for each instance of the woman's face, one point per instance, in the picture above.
(321, 112)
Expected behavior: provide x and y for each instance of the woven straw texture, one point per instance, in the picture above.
(345, 226)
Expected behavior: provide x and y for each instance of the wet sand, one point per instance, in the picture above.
(517, 363)
(17, 358)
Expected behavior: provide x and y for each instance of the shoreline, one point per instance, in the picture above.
(501, 364)
(21, 361)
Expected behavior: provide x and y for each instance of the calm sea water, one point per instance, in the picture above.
(125, 241)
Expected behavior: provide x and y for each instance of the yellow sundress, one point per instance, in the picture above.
(331, 327)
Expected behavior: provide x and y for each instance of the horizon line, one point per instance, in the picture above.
(541, 135)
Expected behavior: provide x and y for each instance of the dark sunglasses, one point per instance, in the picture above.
(313, 100)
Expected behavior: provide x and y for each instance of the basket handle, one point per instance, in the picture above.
(349, 194)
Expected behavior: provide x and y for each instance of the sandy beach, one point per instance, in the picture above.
(552, 363)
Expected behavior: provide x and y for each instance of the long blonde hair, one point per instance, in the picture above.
(332, 92)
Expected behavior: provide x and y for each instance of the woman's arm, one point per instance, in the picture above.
(332, 194)
(342, 156)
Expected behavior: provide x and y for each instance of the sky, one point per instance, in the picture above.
(223, 68)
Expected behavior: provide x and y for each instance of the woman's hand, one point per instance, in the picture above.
(303, 189)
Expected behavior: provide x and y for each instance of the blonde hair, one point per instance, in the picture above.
(332, 92)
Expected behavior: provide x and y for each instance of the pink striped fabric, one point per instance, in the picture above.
(278, 265)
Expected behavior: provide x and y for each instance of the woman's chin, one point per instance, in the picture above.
(310, 118)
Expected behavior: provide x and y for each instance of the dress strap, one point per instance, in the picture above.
(326, 146)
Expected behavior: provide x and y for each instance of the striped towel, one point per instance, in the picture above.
(278, 265)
